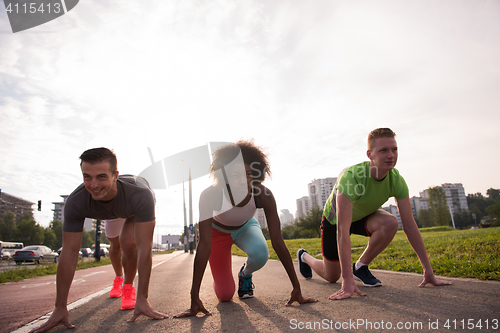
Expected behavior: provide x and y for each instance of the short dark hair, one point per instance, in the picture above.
(253, 156)
(379, 133)
(98, 155)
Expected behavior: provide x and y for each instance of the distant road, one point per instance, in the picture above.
(7, 265)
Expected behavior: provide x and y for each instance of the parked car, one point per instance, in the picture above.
(86, 252)
(6, 255)
(104, 252)
(36, 254)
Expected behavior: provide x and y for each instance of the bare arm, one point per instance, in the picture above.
(202, 253)
(415, 238)
(267, 202)
(143, 234)
(65, 273)
(344, 220)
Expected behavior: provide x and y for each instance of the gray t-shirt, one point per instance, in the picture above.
(134, 197)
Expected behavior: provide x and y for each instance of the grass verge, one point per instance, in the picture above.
(453, 253)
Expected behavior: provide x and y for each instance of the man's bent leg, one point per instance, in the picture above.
(129, 261)
(113, 229)
(382, 227)
(115, 254)
(327, 269)
(129, 250)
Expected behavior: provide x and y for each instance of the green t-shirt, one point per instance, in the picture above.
(366, 193)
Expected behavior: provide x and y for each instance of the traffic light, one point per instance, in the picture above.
(39, 205)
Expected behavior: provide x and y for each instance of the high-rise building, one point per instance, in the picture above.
(286, 218)
(59, 209)
(260, 216)
(319, 191)
(303, 206)
(88, 225)
(455, 198)
(11, 203)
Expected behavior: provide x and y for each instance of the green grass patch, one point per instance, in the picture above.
(453, 253)
(21, 273)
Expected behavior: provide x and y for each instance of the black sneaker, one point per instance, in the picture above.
(245, 285)
(304, 268)
(364, 275)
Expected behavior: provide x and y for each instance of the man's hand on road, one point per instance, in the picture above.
(347, 290)
(142, 308)
(296, 296)
(196, 307)
(430, 278)
(59, 316)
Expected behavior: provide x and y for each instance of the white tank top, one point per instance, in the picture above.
(233, 216)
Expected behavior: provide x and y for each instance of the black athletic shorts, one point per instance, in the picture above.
(329, 236)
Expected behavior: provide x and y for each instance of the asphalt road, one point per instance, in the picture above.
(399, 305)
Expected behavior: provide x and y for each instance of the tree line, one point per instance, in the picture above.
(27, 231)
(483, 210)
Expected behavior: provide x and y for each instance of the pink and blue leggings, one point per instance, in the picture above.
(248, 238)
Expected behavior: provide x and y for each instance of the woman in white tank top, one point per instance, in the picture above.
(226, 214)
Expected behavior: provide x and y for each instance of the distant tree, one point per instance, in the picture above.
(438, 205)
(474, 210)
(50, 238)
(56, 227)
(28, 231)
(463, 219)
(494, 211)
(87, 240)
(477, 204)
(426, 218)
(310, 225)
(493, 194)
(7, 226)
(265, 231)
(290, 231)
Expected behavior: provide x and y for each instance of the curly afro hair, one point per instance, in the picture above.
(253, 156)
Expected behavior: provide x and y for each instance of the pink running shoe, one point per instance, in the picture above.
(128, 297)
(116, 291)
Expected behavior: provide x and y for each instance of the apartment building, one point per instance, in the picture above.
(11, 203)
(286, 218)
(455, 198)
(303, 206)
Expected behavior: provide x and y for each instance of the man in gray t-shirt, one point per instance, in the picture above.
(104, 195)
(133, 198)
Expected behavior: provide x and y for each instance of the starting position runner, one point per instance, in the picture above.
(105, 195)
(226, 214)
(354, 207)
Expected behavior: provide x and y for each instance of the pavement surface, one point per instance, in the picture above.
(399, 305)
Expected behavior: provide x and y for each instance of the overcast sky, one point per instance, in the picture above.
(308, 80)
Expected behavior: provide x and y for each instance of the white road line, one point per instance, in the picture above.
(40, 321)
(94, 273)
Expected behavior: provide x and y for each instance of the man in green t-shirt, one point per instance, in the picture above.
(354, 207)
